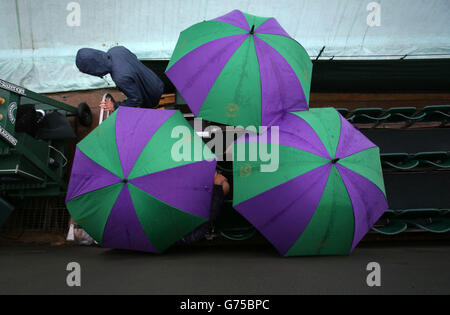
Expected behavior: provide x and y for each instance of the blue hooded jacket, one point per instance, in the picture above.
(140, 84)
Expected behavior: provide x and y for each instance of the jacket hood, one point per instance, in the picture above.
(93, 62)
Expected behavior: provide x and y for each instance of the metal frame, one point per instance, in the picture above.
(23, 147)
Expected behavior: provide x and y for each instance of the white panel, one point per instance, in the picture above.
(38, 46)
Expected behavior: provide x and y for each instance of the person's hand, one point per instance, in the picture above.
(225, 187)
(107, 105)
(219, 179)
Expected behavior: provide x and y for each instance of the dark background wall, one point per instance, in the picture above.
(365, 76)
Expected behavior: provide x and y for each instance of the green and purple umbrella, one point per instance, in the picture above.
(241, 70)
(129, 192)
(327, 191)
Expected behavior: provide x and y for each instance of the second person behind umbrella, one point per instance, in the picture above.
(221, 188)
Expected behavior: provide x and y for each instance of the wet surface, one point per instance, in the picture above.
(415, 268)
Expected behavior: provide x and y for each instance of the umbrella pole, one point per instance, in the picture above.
(100, 119)
(102, 110)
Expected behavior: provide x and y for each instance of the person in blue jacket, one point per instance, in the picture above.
(141, 85)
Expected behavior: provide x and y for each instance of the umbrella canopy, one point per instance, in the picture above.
(126, 189)
(241, 70)
(328, 189)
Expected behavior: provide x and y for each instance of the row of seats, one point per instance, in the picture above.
(417, 198)
(416, 166)
(392, 222)
(409, 140)
(422, 160)
(431, 220)
(376, 115)
(410, 115)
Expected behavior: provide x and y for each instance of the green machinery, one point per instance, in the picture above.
(33, 165)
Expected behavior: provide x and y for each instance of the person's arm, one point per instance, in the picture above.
(221, 180)
(132, 92)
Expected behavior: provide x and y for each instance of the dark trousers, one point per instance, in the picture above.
(200, 232)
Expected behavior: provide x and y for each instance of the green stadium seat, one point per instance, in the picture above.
(368, 115)
(434, 159)
(393, 228)
(389, 225)
(431, 220)
(399, 161)
(440, 113)
(343, 111)
(400, 114)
